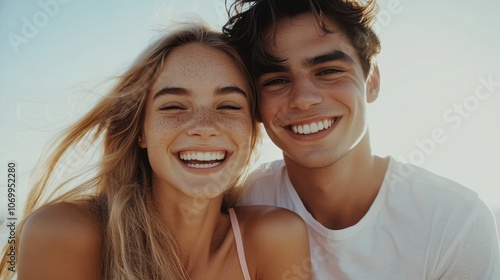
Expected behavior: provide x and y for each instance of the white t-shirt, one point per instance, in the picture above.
(420, 226)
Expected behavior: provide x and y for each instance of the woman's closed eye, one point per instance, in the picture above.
(169, 107)
(229, 107)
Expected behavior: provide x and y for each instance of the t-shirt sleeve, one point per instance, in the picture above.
(474, 252)
(264, 186)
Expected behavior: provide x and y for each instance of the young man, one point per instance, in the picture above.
(368, 217)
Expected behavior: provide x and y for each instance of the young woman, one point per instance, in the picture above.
(178, 130)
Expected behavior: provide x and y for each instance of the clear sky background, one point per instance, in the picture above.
(440, 70)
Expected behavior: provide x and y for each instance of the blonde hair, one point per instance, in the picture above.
(136, 244)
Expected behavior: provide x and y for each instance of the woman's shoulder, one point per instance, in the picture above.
(263, 226)
(269, 220)
(63, 222)
(65, 235)
(274, 236)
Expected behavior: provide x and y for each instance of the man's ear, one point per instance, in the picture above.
(373, 85)
(141, 141)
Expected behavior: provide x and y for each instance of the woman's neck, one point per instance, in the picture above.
(195, 223)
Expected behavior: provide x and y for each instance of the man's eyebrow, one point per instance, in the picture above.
(183, 91)
(308, 62)
(171, 90)
(327, 57)
(274, 68)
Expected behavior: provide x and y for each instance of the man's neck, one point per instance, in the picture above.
(338, 196)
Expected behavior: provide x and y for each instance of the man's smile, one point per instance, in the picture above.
(313, 127)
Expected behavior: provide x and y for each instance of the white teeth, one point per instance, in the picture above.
(320, 126)
(202, 156)
(204, 165)
(312, 127)
(327, 123)
(307, 129)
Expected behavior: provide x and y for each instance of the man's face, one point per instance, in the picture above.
(314, 107)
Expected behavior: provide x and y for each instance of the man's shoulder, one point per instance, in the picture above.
(269, 171)
(421, 181)
(409, 185)
(446, 217)
(266, 185)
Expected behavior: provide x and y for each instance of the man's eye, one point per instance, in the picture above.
(275, 82)
(328, 71)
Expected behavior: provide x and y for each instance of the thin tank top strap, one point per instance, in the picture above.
(239, 244)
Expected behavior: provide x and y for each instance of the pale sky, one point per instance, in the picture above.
(440, 71)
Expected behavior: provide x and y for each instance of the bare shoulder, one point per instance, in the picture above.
(270, 221)
(63, 223)
(63, 236)
(275, 241)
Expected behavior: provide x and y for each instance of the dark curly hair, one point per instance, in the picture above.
(251, 22)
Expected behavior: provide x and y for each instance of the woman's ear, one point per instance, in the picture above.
(141, 141)
(373, 85)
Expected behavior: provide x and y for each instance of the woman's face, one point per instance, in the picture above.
(197, 128)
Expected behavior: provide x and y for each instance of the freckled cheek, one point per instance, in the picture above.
(240, 128)
(239, 131)
(173, 124)
(161, 129)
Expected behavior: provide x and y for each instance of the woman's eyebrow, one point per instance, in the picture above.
(183, 91)
(171, 90)
(230, 89)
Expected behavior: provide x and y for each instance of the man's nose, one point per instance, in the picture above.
(304, 94)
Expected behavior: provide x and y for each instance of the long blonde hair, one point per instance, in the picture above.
(136, 244)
